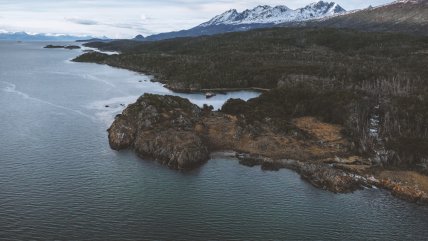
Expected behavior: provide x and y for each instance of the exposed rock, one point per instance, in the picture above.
(145, 125)
(181, 135)
(325, 177)
(249, 160)
(410, 194)
(173, 148)
(320, 175)
(161, 127)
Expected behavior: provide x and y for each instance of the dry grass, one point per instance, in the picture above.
(324, 140)
(322, 131)
(407, 178)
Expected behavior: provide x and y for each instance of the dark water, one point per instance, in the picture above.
(59, 180)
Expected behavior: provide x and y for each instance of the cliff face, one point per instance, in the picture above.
(161, 127)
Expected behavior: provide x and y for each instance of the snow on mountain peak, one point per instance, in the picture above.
(265, 14)
(411, 1)
(225, 17)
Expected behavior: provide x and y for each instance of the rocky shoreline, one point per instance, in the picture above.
(180, 135)
(334, 179)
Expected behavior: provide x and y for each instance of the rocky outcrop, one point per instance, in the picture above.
(161, 127)
(180, 135)
(334, 180)
(174, 148)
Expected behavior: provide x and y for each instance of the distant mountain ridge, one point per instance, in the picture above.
(275, 15)
(23, 36)
(258, 17)
(406, 16)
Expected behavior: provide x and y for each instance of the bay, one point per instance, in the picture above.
(59, 180)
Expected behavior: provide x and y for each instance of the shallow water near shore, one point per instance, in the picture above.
(60, 180)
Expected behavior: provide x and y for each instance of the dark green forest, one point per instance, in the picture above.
(373, 84)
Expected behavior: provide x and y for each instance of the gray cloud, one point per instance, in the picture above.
(82, 21)
(133, 26)
(137, 26)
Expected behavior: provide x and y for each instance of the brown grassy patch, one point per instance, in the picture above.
(323, 131)
(407, 178)
(224, 132)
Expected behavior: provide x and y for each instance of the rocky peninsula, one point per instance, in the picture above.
(69, 47)
(180, 135)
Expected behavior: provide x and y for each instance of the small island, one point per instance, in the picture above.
(70, 47)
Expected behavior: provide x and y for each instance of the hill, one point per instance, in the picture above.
(406, 16)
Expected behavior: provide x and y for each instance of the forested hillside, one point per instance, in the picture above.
(374, 84)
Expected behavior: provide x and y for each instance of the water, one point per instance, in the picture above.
(60, 180)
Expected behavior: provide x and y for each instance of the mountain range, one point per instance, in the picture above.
(275, 15)
(23, 36)
(409, 16)
(258, 17)
(406, 16)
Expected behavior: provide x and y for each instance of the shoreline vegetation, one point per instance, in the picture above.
(345, 109)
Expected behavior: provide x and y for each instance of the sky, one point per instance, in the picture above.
(127, 18)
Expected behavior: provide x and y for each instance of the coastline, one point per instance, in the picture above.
(352, 181)
(214, 90)
(180, 135)
(176, 87)
(336, 177)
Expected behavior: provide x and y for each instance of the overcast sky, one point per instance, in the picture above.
(127, 18)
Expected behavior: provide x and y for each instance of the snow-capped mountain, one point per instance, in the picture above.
(258, 17)
(276, 15)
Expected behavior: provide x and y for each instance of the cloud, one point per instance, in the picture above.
(82, 21)
(144, 17)
(133, 26)
(137, 26)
